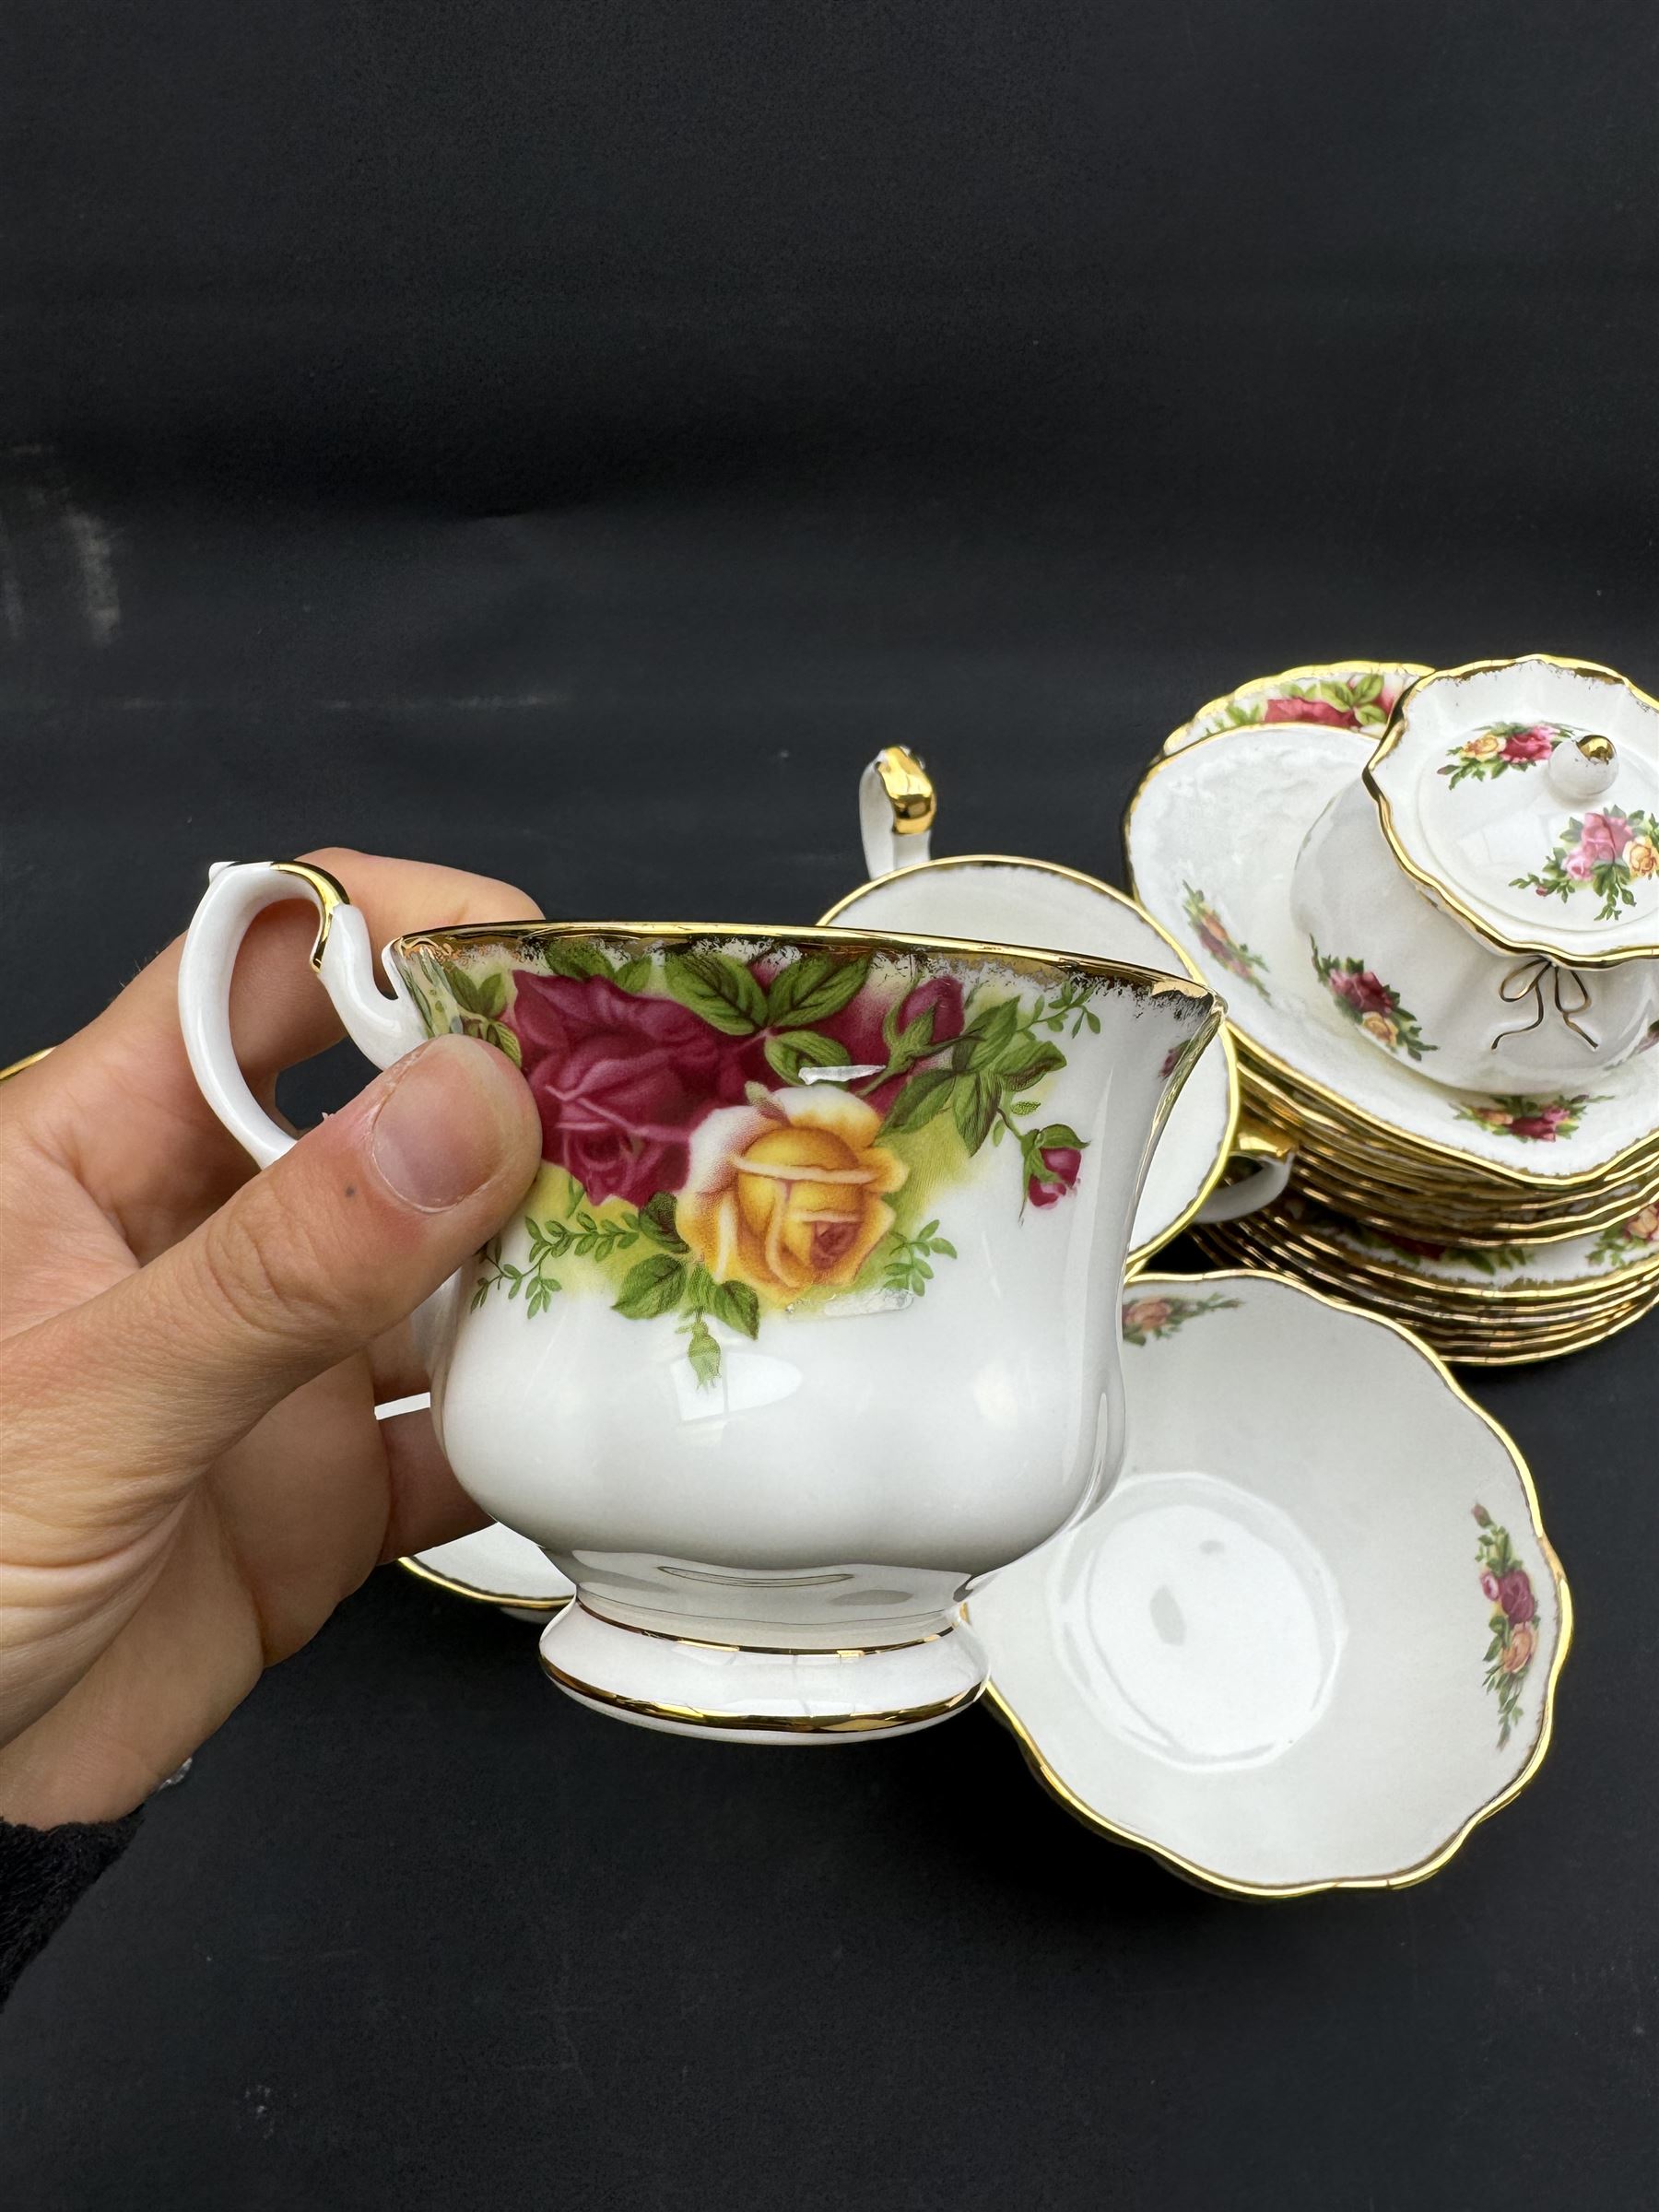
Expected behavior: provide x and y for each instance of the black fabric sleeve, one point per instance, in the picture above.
(44, 1872)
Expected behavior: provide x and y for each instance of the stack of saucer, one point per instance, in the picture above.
(1503, 1223)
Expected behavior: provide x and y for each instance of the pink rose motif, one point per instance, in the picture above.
(1540, 1127)
(1603, 838)
(1515, 1595)
(1491, 1588)
(619, 1082)
(1535, 744)
(1062, 1162)
(1363, 992)
(1310, 710)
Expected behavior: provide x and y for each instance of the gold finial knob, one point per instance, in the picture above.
(1596, 748)
(909, 789)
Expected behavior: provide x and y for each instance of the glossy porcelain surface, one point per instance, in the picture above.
(1355, 695)
(1213, 837)
(808, 1318)
(1418, 984)
(1312, 1636)
(498, 1565)
(1030, 902)
(1524, 796)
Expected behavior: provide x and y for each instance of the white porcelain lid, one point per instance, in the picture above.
(1524, 797)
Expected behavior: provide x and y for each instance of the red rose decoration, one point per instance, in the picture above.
(1540, 1127)
(1515, 1595)
(1363, 992)
(1310, 710)
(1062, 1162)
(619, 1082)
(1603, 838)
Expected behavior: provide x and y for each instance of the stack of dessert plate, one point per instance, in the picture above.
(1506, 1219)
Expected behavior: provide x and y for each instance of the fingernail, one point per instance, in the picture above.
(439, 1134)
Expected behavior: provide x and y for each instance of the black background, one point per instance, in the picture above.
(566, 441)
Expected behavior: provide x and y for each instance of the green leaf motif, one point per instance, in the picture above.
(720, 989)
(656, 1218)
(812, 989)
(652, 1286)
(737, 1306)
(921, 1098)
(988, 1036)
(1032, 1062)
(633, 975)
(974, 1102)
(798, 1048)
(569, 956)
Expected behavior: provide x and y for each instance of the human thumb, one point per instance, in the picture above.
(308, 1263)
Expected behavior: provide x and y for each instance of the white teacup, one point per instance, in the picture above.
(810, 1317)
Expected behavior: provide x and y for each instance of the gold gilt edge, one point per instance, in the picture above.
(1036, 961)
(1141, 1254)
(1424, 1147)
(29, 1060)
(411, 1565)
(1403, 1878)
(1178, 738)
(1443, 892)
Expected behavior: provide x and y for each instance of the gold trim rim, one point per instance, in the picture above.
(1233, 1139)
(1422, 1869)
(328, 892)
(1024, 959)
(693, 1716)
(1432, 1147)
(1388, 745)
(422, 1573)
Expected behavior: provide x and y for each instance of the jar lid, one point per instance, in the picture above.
(1523, 796)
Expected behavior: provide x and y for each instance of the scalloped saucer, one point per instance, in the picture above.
(499, 1566)
(1212, 836)
(1312, 1636)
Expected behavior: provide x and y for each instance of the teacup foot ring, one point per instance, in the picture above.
(749, 1694)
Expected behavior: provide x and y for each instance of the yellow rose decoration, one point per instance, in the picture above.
(1382, 1028)
(1641, 857)
(1485, 747)
(788, 1194)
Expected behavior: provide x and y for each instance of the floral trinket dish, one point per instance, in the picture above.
(1297, 1648)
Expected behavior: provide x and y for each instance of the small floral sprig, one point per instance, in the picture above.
(1145, 1318)
(1501, 746)
(1607, 851)
(1534, 1121)
(1370, 1004)
(1486, 1259)
(906, 1266)
(1219, 943)
(1507, 1587)
(1624, 1241)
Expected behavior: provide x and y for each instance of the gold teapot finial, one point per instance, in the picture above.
(909, 789)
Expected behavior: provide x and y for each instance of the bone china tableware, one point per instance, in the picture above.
(498, 1566)
(1039, 902)
(1213, 836)
(809, 1317)
(1312, 1638)
(1497, 865)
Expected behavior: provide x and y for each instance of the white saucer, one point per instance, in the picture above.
(1212, 836)
(499, 1566)
(1270, 1658)
(1008, 902)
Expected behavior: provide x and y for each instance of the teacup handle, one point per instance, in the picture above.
(896, 800)
(1270, 1160)
(383, 1028)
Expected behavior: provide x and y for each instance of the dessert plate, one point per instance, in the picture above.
(1212, 837)
(1312, 1636)
(1039, 902)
